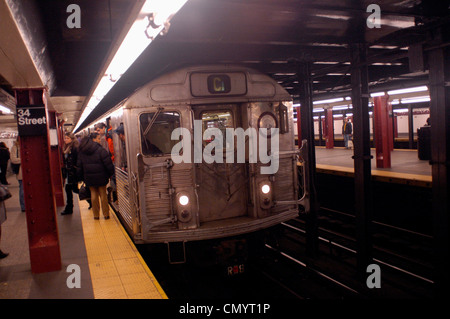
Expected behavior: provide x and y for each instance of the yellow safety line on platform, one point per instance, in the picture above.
(395, 177)
(116, 266)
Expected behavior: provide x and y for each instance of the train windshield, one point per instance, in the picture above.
(217, 120)
(156, 129)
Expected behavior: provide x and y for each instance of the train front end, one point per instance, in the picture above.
(211, 154)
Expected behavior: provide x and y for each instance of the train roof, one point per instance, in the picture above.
(175, 87)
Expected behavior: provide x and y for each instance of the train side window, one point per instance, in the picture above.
(217, 119)
(156, 132)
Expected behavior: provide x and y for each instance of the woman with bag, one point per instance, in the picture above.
(94, 167)
(70, 151)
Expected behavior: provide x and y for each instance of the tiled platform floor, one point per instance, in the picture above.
(110, 265)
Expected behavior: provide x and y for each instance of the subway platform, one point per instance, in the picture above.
(110, 266)
(406, 167)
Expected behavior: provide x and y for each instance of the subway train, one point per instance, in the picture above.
(208, 153)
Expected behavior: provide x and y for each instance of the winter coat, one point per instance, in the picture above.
(4, 155)
(70, 165)
(94, 165)
(347, 128)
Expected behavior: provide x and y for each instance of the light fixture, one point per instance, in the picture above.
(265, 189)
(377, 94)
(140, 35)
(4, 109)
(408, 90)
(183, 200)
(340, 107)
(339, 99)
(400, 110)
(416, 99)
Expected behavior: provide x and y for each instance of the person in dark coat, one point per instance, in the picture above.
(94, 167)
(4, 158)
(70, 150)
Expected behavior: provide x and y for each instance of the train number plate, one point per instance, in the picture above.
(235, 270)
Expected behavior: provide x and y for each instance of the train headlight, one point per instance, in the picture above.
(183, 200)
(184, 207)
(265, 189)
(265, 194)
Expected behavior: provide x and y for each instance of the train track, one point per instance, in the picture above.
(403, 254)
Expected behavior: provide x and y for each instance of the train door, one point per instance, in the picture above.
(222, 184)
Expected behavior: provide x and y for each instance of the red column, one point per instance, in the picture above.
(32, 122)
(329, 128)
(390, 124)
(299, 128)
(383, 131)
(55, 158)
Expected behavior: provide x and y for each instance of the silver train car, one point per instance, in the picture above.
(182, 176)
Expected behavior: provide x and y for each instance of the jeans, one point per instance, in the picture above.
(346, 139)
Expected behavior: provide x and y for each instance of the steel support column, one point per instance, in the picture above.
(307, 132)
(55, 159)
(320, 130)
(43, 239)
(329, 128)
(410, 127)
(362, 157)
(383, 128)
(439, 61)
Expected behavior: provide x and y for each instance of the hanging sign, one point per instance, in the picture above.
(31, 120)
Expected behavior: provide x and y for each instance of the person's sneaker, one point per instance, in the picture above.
(67, 212)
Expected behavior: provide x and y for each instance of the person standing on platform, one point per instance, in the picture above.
(15, 161)
(70, 151)
(94, 167)
(347, 131)
(100, 128)
(104, 130)
(4, 158)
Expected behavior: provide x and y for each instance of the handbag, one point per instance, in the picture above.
(4, 193)
(84, 193)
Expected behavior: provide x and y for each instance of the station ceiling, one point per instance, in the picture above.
(272, 36)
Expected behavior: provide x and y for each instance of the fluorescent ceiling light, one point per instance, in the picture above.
(340, 107)
(377, 94)
(152, 20)
(5, 110)
(408, 90)
(416, 99)
(339, 99)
